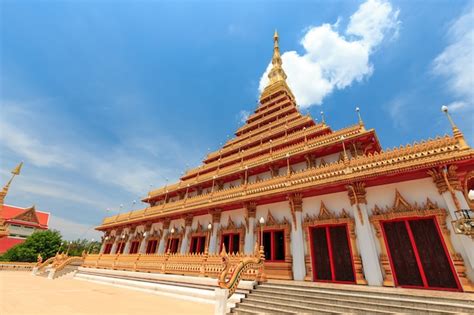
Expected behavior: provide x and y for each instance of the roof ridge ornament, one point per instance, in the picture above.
(458, 135)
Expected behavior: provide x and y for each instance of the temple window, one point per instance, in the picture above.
(172, 246)
(274, 245)
(198, 243)
(231, 242)
(108, 248)
(134, 247)
(120, 248)
(151, 246)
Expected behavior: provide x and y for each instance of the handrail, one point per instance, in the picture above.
(45, 263)
(67, 262)
(253, 262)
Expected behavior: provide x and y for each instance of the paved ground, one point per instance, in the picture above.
(22, 293)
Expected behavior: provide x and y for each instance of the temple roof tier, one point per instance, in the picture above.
(274, 152)
(419, 157)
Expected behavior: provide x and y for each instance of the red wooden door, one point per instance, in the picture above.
(418, 255)
(331, 254)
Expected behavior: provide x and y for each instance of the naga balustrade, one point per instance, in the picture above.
(204, 265)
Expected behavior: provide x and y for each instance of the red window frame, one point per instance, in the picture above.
(200, 246)
(331, 260)
(231, 242)
(417, 257)
(120, 248)
(108, 248)
(273, 245)
(151, 246)
(134, 247)
(172, 245)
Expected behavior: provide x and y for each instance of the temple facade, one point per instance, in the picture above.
(327, 205)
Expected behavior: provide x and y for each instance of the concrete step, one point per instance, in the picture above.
(309, 307)
(255, 308)
(425, 297)
(375, 302)
(428, 295)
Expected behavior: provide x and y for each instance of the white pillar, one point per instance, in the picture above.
(213, 242)
(250, 237)
(102, 247)
(185, 243)
(367, 246)
(297, 247)
(161, 246)
(467, 243)
(142, 249)
(126, 250)
(114, 246)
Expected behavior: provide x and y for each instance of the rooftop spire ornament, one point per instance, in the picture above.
(361, 123)
(16, 171)
(456, 132)
(276, 73)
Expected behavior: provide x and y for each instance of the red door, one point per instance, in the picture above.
(331, 254)
(418, 255)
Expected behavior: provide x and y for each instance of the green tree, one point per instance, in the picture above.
(75, 248)
(46, 243)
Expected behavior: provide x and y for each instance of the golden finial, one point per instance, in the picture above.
(456, 132)
(322, 118)
(16, 171)
(276, 73)
(361, 123)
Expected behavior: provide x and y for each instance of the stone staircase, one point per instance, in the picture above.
(295, 297)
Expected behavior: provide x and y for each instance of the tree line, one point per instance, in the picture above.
(48, 243)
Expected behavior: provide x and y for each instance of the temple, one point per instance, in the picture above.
(327, 205)
(17, 223)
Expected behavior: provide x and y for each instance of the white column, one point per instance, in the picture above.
(126, 250)
(250, 237)
(142, 249)
(102, 247)
(467, 244)
(297, 247)
(161, 246)
(185, 243)
(367, 246)
(213, 242)
(114, 246)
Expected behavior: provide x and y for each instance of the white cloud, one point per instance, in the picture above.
(456, 62)
(243, 116)
(72, 230)
(29, 146)
(334, 60)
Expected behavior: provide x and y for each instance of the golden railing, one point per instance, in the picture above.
(203, 265)
(41, 265)
(425, 154)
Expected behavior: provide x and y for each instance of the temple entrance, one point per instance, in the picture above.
(331, 254)
(418, 255)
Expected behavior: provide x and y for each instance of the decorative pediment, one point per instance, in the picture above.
(28, 216)
(325, 215)
(272, 222)
(401, 205)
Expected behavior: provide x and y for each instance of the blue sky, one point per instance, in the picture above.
(102, 99)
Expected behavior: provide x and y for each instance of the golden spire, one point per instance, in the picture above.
(4, 192)
(456, 132)
(361, 122)
(276, 73)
